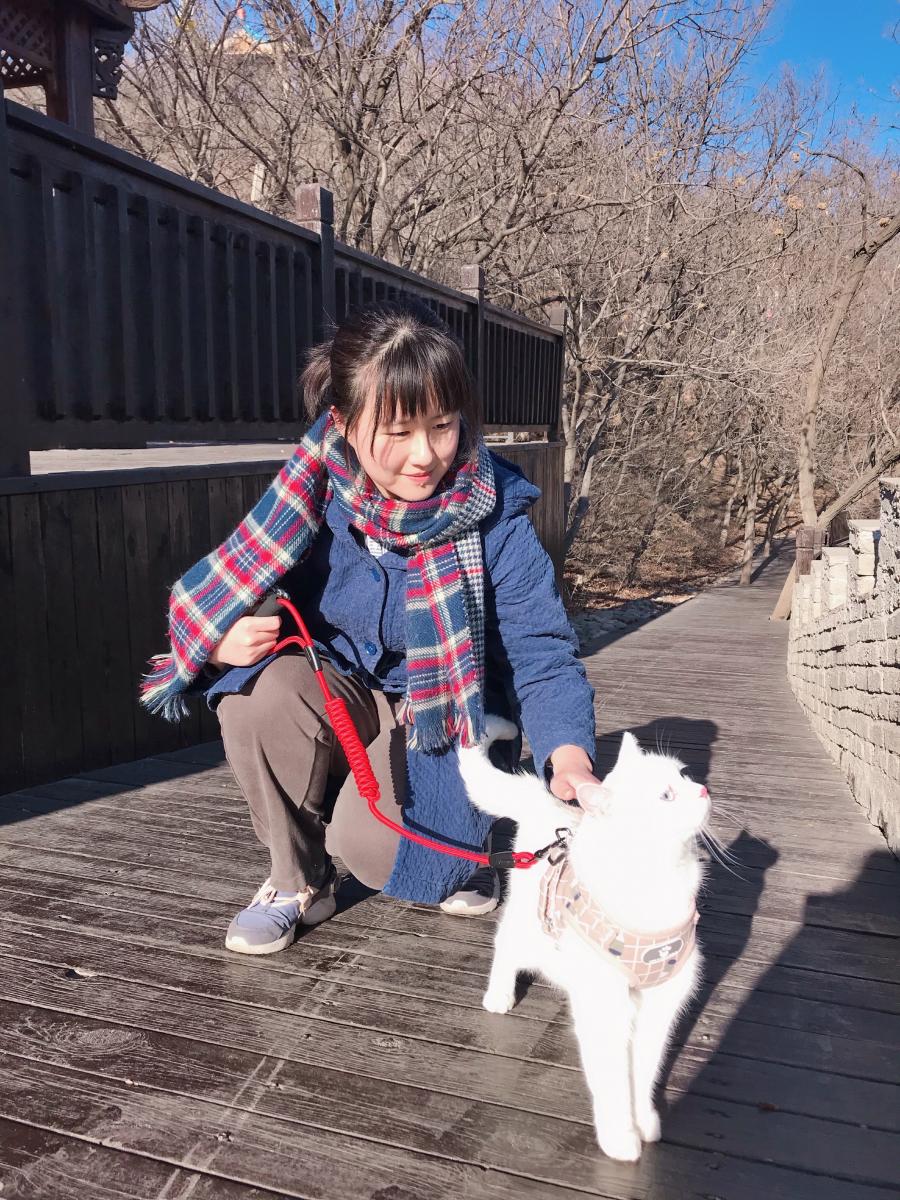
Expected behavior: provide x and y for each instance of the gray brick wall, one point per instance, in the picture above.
(844, 659)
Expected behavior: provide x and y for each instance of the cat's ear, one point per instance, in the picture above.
(593, 797)
(629, 751)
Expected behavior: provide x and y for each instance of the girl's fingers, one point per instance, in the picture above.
(264, 624)
(263, 638)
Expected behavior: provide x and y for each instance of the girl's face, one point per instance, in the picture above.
(409, 455)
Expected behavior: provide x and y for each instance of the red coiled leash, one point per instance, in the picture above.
(358, 758)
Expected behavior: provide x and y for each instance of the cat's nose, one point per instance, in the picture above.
(704, 793)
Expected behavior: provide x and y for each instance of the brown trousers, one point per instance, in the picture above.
(304, 803)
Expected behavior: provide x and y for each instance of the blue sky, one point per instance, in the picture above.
(851, 40)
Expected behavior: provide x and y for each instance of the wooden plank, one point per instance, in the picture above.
(12, 768)
(31, 658)
(124, 356)
(77, 300)
(116, 623)
(139, 613)
(182, 346)
(420, 1119)
(558, 1096)
(180, 559)
(157, 585)
(235, 1142)
(200, 315)
(66, 664)
(92, 690)
(37, 1164)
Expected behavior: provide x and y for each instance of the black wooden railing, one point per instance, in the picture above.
(86, 563)
(136, 305)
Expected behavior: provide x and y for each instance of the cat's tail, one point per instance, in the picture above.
(498, 792)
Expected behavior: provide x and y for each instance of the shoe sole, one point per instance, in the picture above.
(468, 911)
(473, 910)
(239, 946)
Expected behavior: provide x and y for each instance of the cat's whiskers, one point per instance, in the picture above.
(721, 854)
(729, 816)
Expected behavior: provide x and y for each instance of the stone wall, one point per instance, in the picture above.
(844, 658)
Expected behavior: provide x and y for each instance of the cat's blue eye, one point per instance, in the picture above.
(668, 794)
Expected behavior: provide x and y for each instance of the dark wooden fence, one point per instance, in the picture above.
(137, 305)
(86, 564)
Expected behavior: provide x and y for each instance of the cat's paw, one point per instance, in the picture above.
(496, 1000)
(648, 1125)
(624, 1145)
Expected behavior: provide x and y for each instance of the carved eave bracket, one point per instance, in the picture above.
(72, 48)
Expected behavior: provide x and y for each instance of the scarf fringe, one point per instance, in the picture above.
(461, 729)
(161, 689)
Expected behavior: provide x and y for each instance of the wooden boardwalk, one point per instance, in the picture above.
(140, 1059)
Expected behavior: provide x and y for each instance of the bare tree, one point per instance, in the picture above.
(606, 154)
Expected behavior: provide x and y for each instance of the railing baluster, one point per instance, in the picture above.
(184, 346)
(120, 280)
(205, 364)
(48, 348)
(287, 346)
(231, 410)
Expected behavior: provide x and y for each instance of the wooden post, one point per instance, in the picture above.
(314, 210)
(808, 543)
(70, 85)
(14, 420)
(472, 283)
(557, 313)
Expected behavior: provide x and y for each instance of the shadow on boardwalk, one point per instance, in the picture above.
(826, 1063)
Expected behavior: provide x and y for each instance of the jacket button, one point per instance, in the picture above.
(370, 647)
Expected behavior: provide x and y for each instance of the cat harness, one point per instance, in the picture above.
(646, 959)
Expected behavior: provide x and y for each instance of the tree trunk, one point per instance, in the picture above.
(806, 450)
(750, 526)
(775, 517)
(725, 529)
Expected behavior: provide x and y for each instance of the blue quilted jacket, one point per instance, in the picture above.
(354, 605)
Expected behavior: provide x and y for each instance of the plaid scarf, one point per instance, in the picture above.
(445, 581)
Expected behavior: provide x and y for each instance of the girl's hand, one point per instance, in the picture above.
(571, 767)
(246, 642)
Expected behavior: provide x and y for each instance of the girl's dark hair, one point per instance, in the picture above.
(404, 354)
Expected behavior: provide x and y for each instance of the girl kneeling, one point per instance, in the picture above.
(405, 543)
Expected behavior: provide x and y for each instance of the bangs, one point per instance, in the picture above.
(419, 373)
(416, 377)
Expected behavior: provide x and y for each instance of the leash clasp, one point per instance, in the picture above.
(507, 859)
(556, 849)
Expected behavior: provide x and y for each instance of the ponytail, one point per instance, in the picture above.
(315, 380)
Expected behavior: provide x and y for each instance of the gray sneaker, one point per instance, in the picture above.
(270, 920)
(480, 894)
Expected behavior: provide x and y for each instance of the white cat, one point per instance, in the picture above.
(611, 920)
